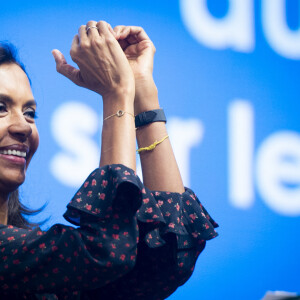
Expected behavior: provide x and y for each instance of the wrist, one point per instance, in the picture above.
(145, 86)
(113, 103)
(146, 96)
(120, 89)
(146, 106)
(121, 95)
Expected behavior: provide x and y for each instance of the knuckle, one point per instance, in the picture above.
(59, 68)
(101, 22)
(75, 61)
(74, 55)
(91, 23)
(96, 43)
(84, 45)
(82, 27)
(110, 40)
(152, 45)
(137, 29)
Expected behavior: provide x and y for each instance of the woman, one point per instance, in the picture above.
(132, 243)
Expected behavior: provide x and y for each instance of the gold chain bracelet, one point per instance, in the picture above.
(119, 113)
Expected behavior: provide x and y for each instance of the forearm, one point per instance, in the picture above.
(159, 166)
(118, 133)
(104, 69)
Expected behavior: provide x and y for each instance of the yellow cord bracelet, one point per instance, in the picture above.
(152, 146)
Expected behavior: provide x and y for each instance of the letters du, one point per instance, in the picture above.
(236, 30)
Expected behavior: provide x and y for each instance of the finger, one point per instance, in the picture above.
(133, 34)
(122, 32)
(146, 44)
(130, 35)
(92, 30)
(105, 29)
(124, 44)
(117, 30)
(74, 48)
(111, 30)
(64, 68)
(58, 57)
(82, 35)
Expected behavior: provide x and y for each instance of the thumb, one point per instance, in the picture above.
(146, 46)
(65, 69)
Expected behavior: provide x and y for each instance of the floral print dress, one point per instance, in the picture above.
(131, 243)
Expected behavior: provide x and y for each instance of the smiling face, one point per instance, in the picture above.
(19, 137)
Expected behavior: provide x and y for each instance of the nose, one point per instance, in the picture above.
(20, 129)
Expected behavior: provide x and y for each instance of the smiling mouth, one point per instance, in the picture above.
(13, 152)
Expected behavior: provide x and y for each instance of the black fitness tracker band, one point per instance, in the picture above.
(147, 117)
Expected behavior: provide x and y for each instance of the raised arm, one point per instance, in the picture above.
(64, 259)
(173, 226)
(104, 68)
(159, 167)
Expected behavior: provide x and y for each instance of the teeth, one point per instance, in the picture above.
(13, 152)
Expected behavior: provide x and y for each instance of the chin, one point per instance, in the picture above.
(11, 182)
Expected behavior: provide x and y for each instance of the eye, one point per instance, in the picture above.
(3, 109)
(30, 113)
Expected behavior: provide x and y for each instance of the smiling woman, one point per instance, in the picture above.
(18, 134)
(134, 240)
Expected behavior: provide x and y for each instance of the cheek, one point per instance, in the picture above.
(33, 144)
(35, 139)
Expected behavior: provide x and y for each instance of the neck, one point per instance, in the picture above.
(3, 208)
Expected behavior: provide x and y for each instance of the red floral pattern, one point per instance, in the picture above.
(118, 219)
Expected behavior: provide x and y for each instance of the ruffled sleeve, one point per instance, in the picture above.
(173, 230)
(108, 190)
(64, 260)
(181, 214)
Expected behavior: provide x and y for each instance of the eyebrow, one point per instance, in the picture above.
(6, 98)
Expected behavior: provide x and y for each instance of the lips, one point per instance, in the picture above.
(18, 150)
(13, 152)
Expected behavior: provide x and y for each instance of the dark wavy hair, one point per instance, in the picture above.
(16, 210)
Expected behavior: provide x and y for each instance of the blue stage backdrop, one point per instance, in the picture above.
(227, 72)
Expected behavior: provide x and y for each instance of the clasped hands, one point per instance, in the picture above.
(111, 62)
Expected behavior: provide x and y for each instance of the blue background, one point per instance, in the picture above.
(258, 248)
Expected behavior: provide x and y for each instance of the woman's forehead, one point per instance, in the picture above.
(14, 82)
